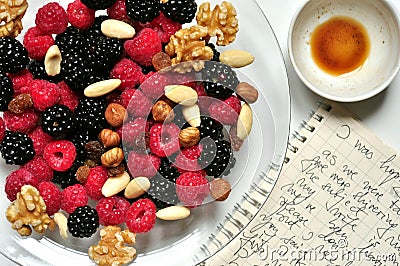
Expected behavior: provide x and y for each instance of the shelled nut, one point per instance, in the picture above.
(52, 61)
(181, 94)
(114, 185)
(113, 157)
(245, 122)
(161, 112)
(115, 114)
(109, 138)
(236, 58)
(114, 28)
(101, 88)
(192, 115)
(173, 213)
(137, 187)
(247, 92)
(189, 136)
(220, 189)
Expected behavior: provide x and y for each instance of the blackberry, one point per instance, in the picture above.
(6, 91)
(210, 127)
(71, 40)
(13, 55)
(220, 80)
(215, 52)
(95, 29)
(36, 67)
(182, 11)
(83, 222)
(17, 148)
(58, 120)
(89, 114)
(68, 178)
(98, 5)
(142, 10)
(104, 52)
(162, 192)
(167, 170)
(216, 157)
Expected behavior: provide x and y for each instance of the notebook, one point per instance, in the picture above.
(336, 201)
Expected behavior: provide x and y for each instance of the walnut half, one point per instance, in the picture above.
(220, 22)
(110, 251)
(11, 14)
(29, 209)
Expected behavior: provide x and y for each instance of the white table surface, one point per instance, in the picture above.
(379, 113)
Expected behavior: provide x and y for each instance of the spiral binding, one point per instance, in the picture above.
(242, 216)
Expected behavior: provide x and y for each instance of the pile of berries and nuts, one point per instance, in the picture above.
(111, 108)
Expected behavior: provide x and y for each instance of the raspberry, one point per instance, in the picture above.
(52, 18)
(118, 11)
(2, 129)
(37, 43)
(153, 84)
(134, 133)
(192, 188)
(164, 139)
(139, 105)
(112, 210)
(44, 94)
(24, 122)
(143, 164)
(16, 179)
(126, 96)
(128, 72)
(141, 216)
(73, 197)
(227, 111)
(80, 16)
(165, 27)
(40, 139)
(51, 195)
(187, 159)
(60, 154)
(67, 96)
(39, 167)
(21, 79)
(142, 48)
(95, 181)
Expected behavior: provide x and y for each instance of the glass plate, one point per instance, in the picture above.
(181, 242)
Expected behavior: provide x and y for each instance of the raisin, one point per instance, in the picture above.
(20, 103)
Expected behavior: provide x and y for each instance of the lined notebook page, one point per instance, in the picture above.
(336, 202)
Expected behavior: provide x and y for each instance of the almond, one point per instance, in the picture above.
(245, 122)
(247, 92)
(114, 185)
(137, 187)
(181, 94)
(52, 61)
(236, 58)
(101, 88)
(192, 115)
(114, 28)
(173, 213)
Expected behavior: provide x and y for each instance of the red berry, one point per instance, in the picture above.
(126, 96)
(128, 72)
(112, 210)
(143, 164)
(142, 48)
(153, 84)
(52, 18)
(95, 180)
(164, 27)
(16, 179)
(60, 154)
(134, 134)
(73, 197)
(227, 111)
(67, 96)
(21, 79)
(2, 129)
(40, 139)
(139, 105)
(141, 216)
(44, 94)
(187, 159)
(37, 43)
(51, 195)
(39, 167)
(118, 11)
(192, 188)
(164, 139)
(24, 122)
(79, 15)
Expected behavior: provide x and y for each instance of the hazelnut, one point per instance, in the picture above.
(115, 114)
(112, 158)
(220, 189)
(189, 136)
(162, 112)
(247, 92)
(109, 138)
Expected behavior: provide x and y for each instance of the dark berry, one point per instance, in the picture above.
(104, 52)
(90, 114)
(162, 191)
(67, 178)
(210, 127)
(220, 80)
(216, 157)
(98, 5)
(142, 10)
(83, 222)
(215, 52)
(57, 120)
(17, 148)
(71, 40)
(36, 67)
(182, 11)
(13, 55)
(6, 91)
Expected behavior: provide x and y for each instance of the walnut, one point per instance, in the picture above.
(29, 210)
(111, 250)
(220, 22)
(11, 14)
(188, 44)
